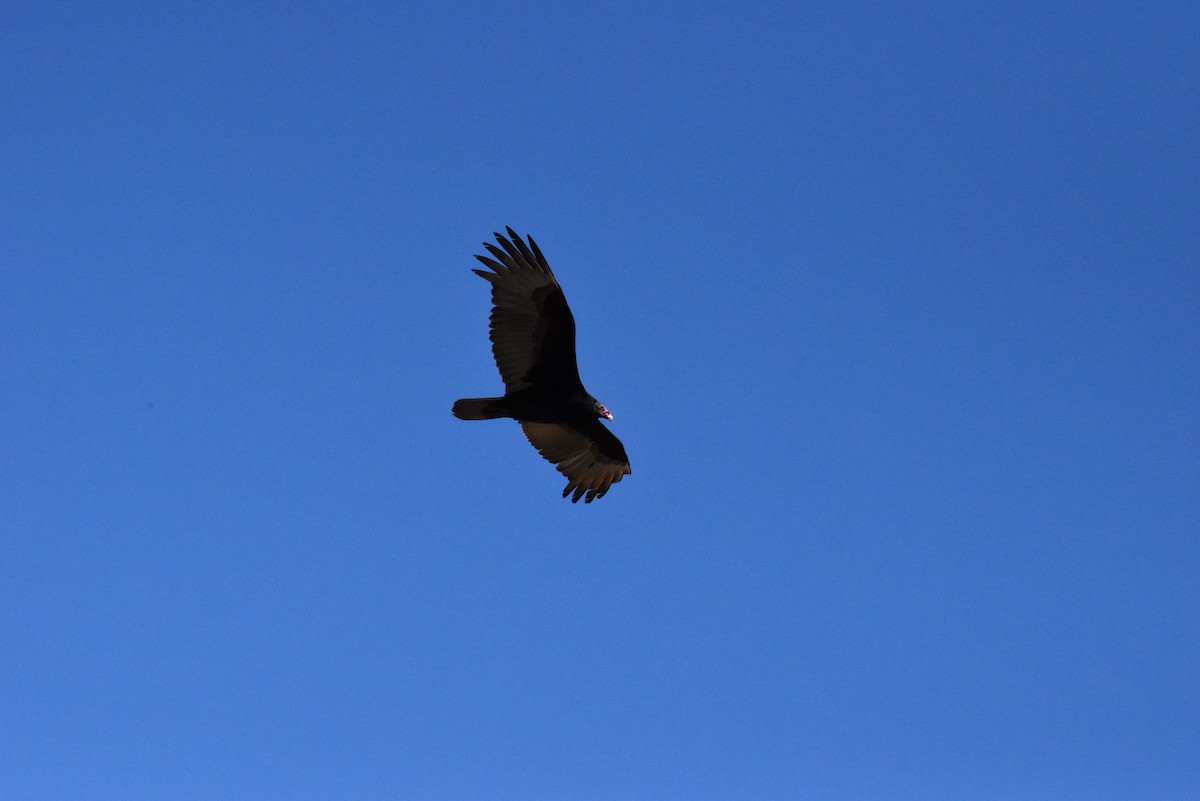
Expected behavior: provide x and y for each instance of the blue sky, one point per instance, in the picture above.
(896, 306)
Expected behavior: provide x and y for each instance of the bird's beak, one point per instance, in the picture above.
(608, 414)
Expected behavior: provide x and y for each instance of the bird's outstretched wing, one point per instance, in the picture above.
(584, 451)
(532, 330)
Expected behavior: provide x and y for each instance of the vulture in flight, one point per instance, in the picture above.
(533, 342)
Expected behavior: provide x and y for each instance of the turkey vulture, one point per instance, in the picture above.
(533, 341)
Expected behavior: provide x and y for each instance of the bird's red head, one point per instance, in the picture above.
(600, 411)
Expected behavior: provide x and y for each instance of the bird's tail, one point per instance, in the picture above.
(480, 408)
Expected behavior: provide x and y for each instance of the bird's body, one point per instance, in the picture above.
(533, 342)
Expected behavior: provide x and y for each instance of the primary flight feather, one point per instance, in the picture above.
(533, 342)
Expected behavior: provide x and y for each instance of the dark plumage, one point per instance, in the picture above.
(533, 341)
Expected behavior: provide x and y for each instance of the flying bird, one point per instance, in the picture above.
(533, 342)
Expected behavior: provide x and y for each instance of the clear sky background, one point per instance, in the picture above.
(897, 307)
